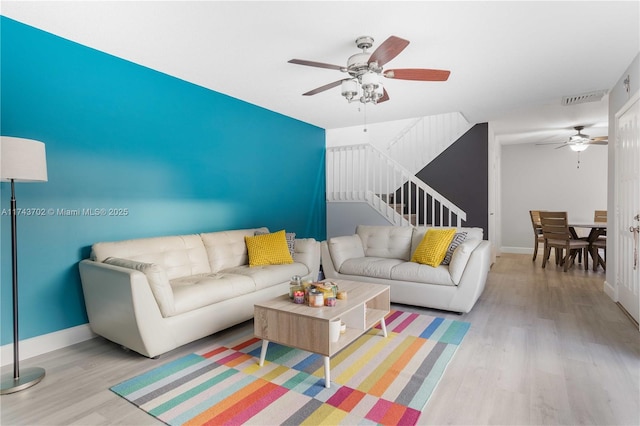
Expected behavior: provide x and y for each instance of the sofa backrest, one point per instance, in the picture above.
(180, 256)
(419, 231)
(227, 249)
(392, 242)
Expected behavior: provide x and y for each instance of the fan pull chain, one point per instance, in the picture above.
(365, 118)
(578, 160)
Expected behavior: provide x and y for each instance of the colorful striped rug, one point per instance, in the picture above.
(373, 381)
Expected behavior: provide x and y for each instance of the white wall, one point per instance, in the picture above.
(377, 134)
(540, 177)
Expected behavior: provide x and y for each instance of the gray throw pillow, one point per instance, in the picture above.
(457, 240)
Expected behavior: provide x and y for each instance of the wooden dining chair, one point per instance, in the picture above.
(600, 216)
(537, 231)
(597, 259)
(555, 230)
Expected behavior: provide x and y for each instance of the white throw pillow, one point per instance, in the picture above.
(157, 278)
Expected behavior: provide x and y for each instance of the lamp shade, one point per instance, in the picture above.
(578, 147)
(370, 79)
(22, 160)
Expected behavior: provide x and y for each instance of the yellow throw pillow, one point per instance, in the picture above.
(433, 247)
(268, 249)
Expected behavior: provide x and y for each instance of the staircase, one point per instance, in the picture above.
(362, 173)
(426, 138)
(386, 180)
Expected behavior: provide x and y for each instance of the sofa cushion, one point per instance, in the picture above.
(270, 275)
(419, 231)
(157, 279)
(376, 267)
(180, 256)
(393, 242)
(457, 240)
(201, 290)
(416, 272)
(433, 247)
(268, 249)
(343, 248)
(460, 258)
(227, 249)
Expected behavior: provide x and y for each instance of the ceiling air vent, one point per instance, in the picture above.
(584, 97)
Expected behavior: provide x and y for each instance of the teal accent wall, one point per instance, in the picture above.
(163, 155)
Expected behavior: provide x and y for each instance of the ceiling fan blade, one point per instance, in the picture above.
(594, 142)
(601, 139)
(418, 74)
(388, 50)
(316, 64)
(323, 88)
(385, 96)
(562, 146)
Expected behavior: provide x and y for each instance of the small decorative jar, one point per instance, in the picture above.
(334, 288)
(294, 285)
(316, 299)
(330, 301)
(298, 296)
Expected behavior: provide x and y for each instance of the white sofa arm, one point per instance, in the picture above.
(307, 251)
(122, 308)
(338, 249)
(473, 279)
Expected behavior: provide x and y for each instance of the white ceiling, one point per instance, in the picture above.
(511, 62)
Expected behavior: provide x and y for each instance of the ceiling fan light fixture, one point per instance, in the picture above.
(578, 147)
(366, 69)
(370, 81)
(579, 138)
(349, 89)
(379, 91)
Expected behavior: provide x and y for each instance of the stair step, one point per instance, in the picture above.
(412, 218)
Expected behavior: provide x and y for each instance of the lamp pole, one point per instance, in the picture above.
(14, 270)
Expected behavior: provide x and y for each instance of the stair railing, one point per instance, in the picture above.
(426, 138)
(362, 173)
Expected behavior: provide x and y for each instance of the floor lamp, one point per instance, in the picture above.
(21, 160)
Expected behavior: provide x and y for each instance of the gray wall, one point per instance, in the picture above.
(540, 177)
(461, 174)
(344, 217)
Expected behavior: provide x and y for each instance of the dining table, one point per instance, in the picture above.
(596, 230)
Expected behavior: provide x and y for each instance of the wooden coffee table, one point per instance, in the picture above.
(300, 326)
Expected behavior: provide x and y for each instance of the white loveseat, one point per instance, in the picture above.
(152, 295)
(381, 254)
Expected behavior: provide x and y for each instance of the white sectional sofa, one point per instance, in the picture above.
(381, 254)
(152, 295)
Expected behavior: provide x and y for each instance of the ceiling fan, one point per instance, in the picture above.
(365, 69)
(579, 141)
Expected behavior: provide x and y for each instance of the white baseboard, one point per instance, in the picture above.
(611, 291)
(46, 343)
(518, 250)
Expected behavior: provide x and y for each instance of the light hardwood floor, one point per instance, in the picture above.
(545, 347)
